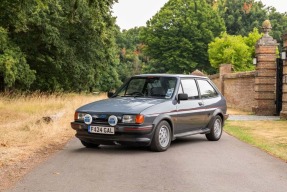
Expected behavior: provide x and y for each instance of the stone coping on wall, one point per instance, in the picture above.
(247, 74)
(215, 76)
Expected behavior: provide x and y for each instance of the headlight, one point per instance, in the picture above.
(79, 116)
(139, 119)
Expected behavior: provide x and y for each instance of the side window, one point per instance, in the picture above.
(190, 88)
(206, 89)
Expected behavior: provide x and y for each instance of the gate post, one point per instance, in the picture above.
(265, 80)
(283, 113)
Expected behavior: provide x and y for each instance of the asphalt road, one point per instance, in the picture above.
(191, 164)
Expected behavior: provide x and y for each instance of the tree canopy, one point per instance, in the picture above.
(13, 66)
(177, 37)
(132, 58)
(69, 44)
(242, 16)
(235, 50)
(75, 45)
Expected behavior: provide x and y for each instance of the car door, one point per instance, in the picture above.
(190, 113)
(210, 98)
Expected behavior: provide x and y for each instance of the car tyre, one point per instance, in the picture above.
(162, 137)
(89, 145)
(216, 127)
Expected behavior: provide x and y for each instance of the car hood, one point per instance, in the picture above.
(133, 105)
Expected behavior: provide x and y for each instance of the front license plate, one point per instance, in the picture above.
(102, 130)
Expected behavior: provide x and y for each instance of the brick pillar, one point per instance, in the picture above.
(265, 80)
(283, 113)
(224, 69)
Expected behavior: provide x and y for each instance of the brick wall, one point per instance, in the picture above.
(238, 88)
(215, 79)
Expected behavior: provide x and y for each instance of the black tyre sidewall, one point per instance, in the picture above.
(211, 136)
(155, 145)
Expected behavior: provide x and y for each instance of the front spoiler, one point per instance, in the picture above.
(135, 136)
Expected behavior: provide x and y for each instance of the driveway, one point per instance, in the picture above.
(191, 164)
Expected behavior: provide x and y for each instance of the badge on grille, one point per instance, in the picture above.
(113, 120)
(88, 119)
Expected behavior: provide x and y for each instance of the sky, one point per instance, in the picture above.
(135, 13)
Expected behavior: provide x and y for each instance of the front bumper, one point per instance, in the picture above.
(124, 135)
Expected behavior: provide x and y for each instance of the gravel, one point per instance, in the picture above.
(252, 118)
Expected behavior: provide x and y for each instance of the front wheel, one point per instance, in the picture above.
(162, 137)
(215, 129)
(89, 145)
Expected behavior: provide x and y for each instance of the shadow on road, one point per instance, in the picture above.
(188, 141)
(119, 149)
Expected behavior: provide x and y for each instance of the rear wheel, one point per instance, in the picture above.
(89, 145)
(162, 137)
(215, 129)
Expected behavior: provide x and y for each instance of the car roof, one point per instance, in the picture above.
(170, 75)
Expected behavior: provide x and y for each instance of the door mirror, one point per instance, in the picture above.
(182, 96)
(110, 94)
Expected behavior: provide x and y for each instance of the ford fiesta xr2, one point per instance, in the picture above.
(153, 110)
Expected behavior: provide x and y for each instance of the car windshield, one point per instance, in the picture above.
(158, 87)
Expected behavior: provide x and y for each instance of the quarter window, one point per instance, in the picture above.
(206, 90)
(190, 88)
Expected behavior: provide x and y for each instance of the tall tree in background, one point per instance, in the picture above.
(279, 24)
(70, 44)
(14, 70)
(132, 58)
(177, 37)
(242, 16)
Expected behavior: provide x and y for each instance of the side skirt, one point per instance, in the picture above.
(201, 131)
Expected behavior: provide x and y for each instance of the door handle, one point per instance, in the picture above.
(200, 103)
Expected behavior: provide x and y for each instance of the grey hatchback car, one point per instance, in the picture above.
(153, 110)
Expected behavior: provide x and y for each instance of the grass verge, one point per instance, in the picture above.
(25, 137)
(270, 136)
(233, 111)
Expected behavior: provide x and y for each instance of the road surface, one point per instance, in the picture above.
(191, 164)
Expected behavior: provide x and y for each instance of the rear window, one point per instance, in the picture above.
(206, 89)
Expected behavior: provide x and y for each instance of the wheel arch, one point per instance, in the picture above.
(219, 113)
(166, 118)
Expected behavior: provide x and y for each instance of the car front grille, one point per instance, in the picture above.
(103, 118)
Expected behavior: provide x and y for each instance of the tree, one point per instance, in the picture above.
(132, 58)
(242, 16)
(279, 24)
(235, 50)
(177, 37)
(14, 70)
(70, 44)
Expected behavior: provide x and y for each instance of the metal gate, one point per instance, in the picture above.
(279, 86)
